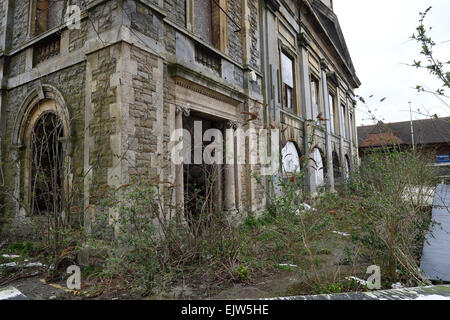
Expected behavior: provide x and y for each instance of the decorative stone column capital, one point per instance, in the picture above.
(303, 40)
(183, 109)
(231, 124)
(324, 65)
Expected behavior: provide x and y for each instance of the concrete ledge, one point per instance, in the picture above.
(441, 292)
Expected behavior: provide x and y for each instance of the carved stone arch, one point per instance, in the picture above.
(40, 102)
(28, 106)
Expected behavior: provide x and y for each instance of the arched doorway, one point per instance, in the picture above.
(46, 161)
(336, 166)
(41, 134)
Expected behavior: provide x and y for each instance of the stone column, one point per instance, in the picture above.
(351, 130)
(341, 129)
(307, 112)
(229, 168)
(179, 178)
(326, 104)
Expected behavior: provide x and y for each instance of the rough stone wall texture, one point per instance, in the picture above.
(70, 82)
(77, 37)
(143, 142)
(105, 15)
(17, 64)
(254, 59)
(176, 11)
(235, 46)
(103, 123)
(20, 25)
(2, 22)
(143, 21)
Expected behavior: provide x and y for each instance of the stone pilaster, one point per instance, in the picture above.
(307, 115)
(327, 115)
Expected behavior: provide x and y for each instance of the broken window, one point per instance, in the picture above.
(46, 165)
(287, 72)
(331, 106)
(344, 122)
(314, 97)
(46, 14)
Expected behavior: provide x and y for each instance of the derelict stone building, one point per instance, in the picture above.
(105, 96)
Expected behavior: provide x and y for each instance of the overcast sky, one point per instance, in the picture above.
(377, 35)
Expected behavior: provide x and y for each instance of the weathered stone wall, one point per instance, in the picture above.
(234, 9)
(103, 124)
(254, 59)
(142, 21)
(104, 15)
(20, 25)
(142, 121)
(70, 83)
(176, 11)
(78, 37)
(2, 21)
(17, 64)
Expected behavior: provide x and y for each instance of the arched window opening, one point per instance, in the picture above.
(290, 158)
(336, 165)
(319, 167)
(347, 167)
(46, 165)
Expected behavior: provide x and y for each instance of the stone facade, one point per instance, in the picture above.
(135, 69)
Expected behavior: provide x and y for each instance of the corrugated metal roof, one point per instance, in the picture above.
(436, 251)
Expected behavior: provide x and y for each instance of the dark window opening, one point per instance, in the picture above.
(287, 73)
(46, 165)
(336, 166)
(203, 183)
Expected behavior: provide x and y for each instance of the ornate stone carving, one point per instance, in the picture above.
(184, 109)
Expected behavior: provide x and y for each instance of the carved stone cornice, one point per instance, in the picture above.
(273, 5)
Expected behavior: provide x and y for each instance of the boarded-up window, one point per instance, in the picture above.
(318, 167)
(287, 73)
(290, 158)
(203, 20)
(46, 14)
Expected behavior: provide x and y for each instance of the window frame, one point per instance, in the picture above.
(315, 78)
(284, 50)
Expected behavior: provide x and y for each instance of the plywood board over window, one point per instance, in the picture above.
(45, 15)
(210, 22)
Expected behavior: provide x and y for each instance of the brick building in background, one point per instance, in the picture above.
(430, 136)
(116, 88)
